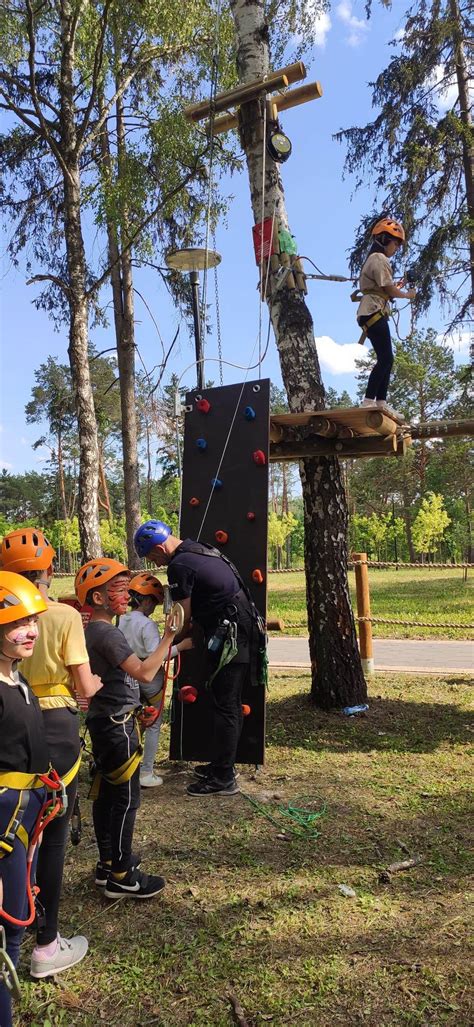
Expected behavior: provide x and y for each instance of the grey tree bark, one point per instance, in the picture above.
(337, 677)
(463, 79)
(78, 350)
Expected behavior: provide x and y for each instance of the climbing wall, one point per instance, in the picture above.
(224, 503)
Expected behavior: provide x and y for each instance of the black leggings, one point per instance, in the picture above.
(379, 336)
(115, 808)
(62, 734)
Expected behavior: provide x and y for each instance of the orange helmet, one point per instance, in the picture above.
(18, 598)
(95, 573)
(146, 585)
(393, 228)
(26, 549)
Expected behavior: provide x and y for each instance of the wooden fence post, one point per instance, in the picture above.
(363, 611)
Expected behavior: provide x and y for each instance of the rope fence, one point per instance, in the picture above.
(382, 564)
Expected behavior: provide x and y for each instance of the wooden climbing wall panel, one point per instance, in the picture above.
(226, 437)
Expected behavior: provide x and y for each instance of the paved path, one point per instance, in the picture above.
(389, 653)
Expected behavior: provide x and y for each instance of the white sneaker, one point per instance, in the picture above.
(389, 411)
(69, 952)
(150, 780)
(372, 403)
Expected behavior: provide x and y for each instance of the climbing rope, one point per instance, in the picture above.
(300, 817)
(218, 315)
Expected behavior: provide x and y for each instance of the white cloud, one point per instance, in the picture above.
(322, 26)
(400, 35)
(446, 91)
(5, 464)
(336, 357)
(356, 27)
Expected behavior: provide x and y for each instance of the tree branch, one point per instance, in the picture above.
(46, 134)
(98, 59)
(50, 278)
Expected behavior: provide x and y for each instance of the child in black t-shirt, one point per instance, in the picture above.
(112, 724)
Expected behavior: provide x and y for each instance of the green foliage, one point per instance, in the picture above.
(113, 537)
(65, 534)
(430, 523)
(416, 152)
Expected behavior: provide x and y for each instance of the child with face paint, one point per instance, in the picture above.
(58, 664)
(104, 586)
(23, 757)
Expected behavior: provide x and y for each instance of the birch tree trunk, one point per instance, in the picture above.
(337, 678)
(78, 350)
(122, 293)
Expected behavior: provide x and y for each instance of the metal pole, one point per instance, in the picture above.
(194, 279)
(363, 612)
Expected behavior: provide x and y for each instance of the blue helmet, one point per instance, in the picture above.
(150, 534)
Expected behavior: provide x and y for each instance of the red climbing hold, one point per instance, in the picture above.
(259, 457)
(250, 515)
(194, 501)
(221, 537)
(188, 693)
(203, 405)
(246, 710)
(257, 576)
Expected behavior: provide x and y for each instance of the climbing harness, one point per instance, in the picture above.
(126, 770)
(55, 805)
(357, 296)
(8, 974)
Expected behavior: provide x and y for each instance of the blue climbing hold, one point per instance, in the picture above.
(201, 443)
(216, 483)
(249, 414)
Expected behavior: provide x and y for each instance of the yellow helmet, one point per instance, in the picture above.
(18, 598)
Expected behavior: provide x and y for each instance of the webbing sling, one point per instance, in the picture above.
(356, 297)
(121, 774)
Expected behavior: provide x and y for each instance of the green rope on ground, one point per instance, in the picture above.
(302, 820)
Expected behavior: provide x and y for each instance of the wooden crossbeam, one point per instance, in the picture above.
(282, 102)
(246, 92)
(342, 448)
(441, 429)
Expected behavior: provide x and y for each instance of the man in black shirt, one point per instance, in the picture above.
(211, 596)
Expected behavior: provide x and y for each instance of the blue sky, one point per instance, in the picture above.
(323, 217)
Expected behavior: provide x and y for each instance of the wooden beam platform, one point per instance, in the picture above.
(282, 102)
(362, 421)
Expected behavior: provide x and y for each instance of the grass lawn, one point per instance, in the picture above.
(436, 596)
(260, 916)
(425, 595)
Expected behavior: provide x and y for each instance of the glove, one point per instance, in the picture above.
(148, 716)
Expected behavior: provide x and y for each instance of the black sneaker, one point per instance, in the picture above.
(209, 786)
(102, 871)
(205, 770)
(135, 885)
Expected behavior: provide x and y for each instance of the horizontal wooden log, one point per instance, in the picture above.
(276, 625)
(342, 448)
(247, 91)
(283, 102)
(323, 426)
(380, 422)
(442, 429)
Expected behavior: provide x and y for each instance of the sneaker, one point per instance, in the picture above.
(371, 403)
(150, 780)
(389, 411)
(205, 770)
(135, 885)
(210, 786)
(102, 871)
(68, 953)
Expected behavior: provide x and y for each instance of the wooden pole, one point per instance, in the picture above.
(363, 611)
(368, 445)
(282, 102)
(243, 92)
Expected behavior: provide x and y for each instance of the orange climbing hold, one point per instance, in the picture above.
(257, 576)
(221, 537)
(246, 710)
(259, 457)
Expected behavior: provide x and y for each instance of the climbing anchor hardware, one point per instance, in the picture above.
(8, 974)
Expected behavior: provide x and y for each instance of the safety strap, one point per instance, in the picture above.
(152, 699)
(121, 774)
(14, 829)
(41, 691)
(71, 774)
(18, 781)
(228, 651)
